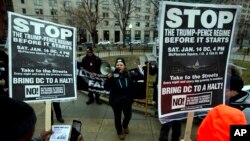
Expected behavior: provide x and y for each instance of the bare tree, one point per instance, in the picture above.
(122, 13)
(85, 16)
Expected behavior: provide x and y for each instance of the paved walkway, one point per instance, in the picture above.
(98, 121)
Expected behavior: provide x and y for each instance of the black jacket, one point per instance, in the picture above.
(120, 86)
(92, 63)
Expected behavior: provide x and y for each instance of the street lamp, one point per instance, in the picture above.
(130, 45)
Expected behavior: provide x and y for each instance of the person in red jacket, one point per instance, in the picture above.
(216, 125)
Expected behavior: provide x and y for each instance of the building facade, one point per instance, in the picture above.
(143, 19)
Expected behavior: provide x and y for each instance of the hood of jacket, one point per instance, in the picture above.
(216, 125)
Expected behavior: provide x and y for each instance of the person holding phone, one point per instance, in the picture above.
(121, 97)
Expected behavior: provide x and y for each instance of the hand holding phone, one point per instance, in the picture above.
(75, 130)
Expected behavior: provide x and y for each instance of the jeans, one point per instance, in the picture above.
(127, 112)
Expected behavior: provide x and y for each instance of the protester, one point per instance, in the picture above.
(58, 112)
(216, 125)
(232, 70)
(121, 97)
(175, 125)
(3, 73)
(18, 121)
(92, 63)
(234, 84)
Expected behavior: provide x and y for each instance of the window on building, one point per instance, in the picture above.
(106, 23)
(39, 11)
(105, 5)
(147, 17)
(52, 2)
(137, 9)
(146, 32)
(67, 3)
(92, 4)
(147, 24)
(117, 23)
(78, 3)
(105, 15)
(53, 11)
(24, 10)
(138, 3)
(137, 24)
(105, 2)
(146, 36)
(22, 1)
(137, 35)
(37, 2)
(148, 3)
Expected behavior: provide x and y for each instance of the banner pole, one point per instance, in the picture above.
(48, 116)
(189, 125)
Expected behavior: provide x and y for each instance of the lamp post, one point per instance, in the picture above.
(130, 45)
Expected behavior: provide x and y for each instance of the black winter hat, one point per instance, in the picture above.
(120, 59)
(17, 118)
(235, 83)
(90, 49)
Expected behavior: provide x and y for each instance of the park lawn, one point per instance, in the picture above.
(245, 73)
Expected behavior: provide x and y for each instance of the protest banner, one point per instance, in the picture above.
(195, 42)
(42, 59)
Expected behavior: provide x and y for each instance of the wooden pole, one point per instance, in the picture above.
(189, 125)
(147, 79)
(48, 116)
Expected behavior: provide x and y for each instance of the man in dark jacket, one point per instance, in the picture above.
(3, 73)
(92, 63)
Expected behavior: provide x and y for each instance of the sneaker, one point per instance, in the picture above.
(121, 136)
(60, 120)
(89, 102)
(126, 131)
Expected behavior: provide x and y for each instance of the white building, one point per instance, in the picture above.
(143, 18)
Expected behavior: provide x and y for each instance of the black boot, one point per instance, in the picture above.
(90, 101)
(97, 99)
(91, 98)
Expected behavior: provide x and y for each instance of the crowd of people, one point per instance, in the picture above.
(215, 126)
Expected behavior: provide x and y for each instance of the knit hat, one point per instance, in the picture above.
(216, 125)
(235, 83)
(89, 49)
(17, 118)
(120, 59)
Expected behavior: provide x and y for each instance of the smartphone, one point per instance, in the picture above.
(75, 130)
